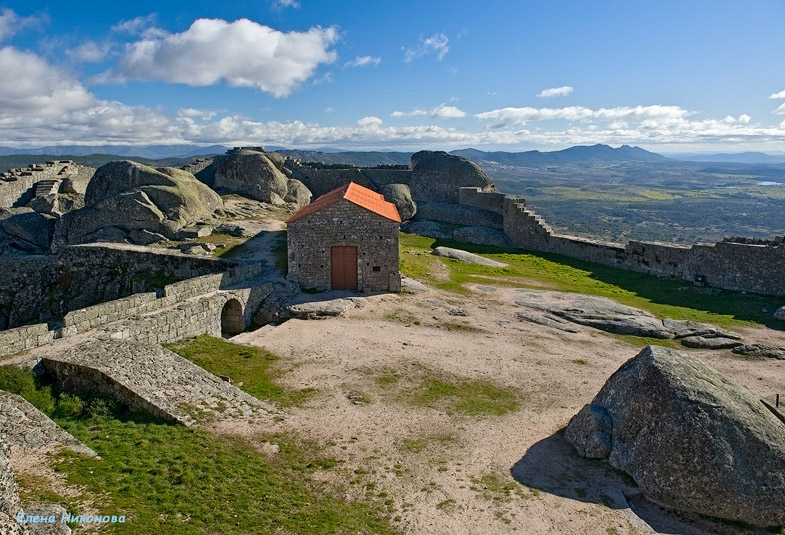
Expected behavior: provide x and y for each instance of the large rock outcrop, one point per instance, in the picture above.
(436, 176)
(692, 439)
(250, 173)
(401, 196)
(126, 197)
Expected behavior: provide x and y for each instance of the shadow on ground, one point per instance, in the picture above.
(552, 465)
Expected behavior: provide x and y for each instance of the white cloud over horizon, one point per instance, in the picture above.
(780, 94)
(562, 91)
(242, 53)
(437, 44)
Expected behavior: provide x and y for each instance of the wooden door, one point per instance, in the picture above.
(343, 267)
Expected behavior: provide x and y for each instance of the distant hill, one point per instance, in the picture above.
(92, 160)
(359, 159)
(151, 152)
(740, 157)
(573, 155)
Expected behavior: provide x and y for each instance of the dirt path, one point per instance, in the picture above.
(444, 472)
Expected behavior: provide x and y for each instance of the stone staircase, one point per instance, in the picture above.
(536, 221)
(47, 187)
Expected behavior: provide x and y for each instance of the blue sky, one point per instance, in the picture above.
(697, 76)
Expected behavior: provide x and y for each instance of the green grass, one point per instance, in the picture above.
(232, 245)
(169, 479)
(251, 366)
(420, 444)
(663, 297)
(473, 398)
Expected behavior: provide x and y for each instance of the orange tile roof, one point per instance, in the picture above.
(354, 193)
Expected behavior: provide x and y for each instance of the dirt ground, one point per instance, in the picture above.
(444, 472)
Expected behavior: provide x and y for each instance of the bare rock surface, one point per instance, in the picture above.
(326, 308)
(482, 236)
(779, 314)
(150, 377)
(401, 196)
(711, 342)
(761, 350)
(436, 176)
(127, 197)
(465, 256)
(251, 173)
(23, 425)
(297, 193)
(598, 312)
(430, 229)
(412, 285)
(692, 439)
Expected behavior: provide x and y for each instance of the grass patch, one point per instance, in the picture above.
(167, 478)
(473, 398)
(420, 444)
(401, 315)
(228, 246)
(251, 366)
(665, 298)
(494, 488)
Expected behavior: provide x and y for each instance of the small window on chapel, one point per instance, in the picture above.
(377, 268)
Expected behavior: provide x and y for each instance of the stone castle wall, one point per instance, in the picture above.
(753, 267)
(37, 289)
(320, 181)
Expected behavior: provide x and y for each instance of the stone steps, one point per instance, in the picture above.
(47, 187)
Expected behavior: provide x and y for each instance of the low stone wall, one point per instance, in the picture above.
(491, 201)
(16, 185)
(16, 340)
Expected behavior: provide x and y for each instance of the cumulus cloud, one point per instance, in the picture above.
(780, 94)
(562, 91)
(447, 112)
(363, 61)
(144, 26)
(242, 53)
(412, 113)
(744, 118)
(780, 110)
(369, 122)
(435, 44)
(11, 23)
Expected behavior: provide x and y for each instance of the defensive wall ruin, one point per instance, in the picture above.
(215, 304)
(754, 267)
(17, 185)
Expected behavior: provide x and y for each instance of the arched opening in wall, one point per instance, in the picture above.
(232, 321)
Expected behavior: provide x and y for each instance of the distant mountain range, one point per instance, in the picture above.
(587, 155)
(151, 152)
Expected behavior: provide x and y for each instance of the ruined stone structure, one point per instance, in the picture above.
(345, 240)
(752, 267)
(19, 185)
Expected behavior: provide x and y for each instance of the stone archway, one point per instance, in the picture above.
(232, 320)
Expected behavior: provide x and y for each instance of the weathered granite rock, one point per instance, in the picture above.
(548, 321)
(684, 328)
(465, 256)
(297, 193)
(401, 196)
(317, 309)
(692, 439)
(436, 176)
(482, 236)
(779, 314)
(412, 285)
(28, 226)
(710, 342)
(598, 312)
(250, 173)
(590, 432)
(131, 196)
(145, 237)
(430, 229)
(451, 309)
(45, 528)
(458, 214)
(760, 350)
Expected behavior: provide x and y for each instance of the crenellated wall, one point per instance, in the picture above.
(755, 267)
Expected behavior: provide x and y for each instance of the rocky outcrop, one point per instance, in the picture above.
(124, 197)
(779, 314)
(482, 236)
(401, 196)
(692, 439)
(250, 173)
(465, 256)
(760, 351)
(436, 176)
(430, 229)
(296, 193)
(25, 230)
